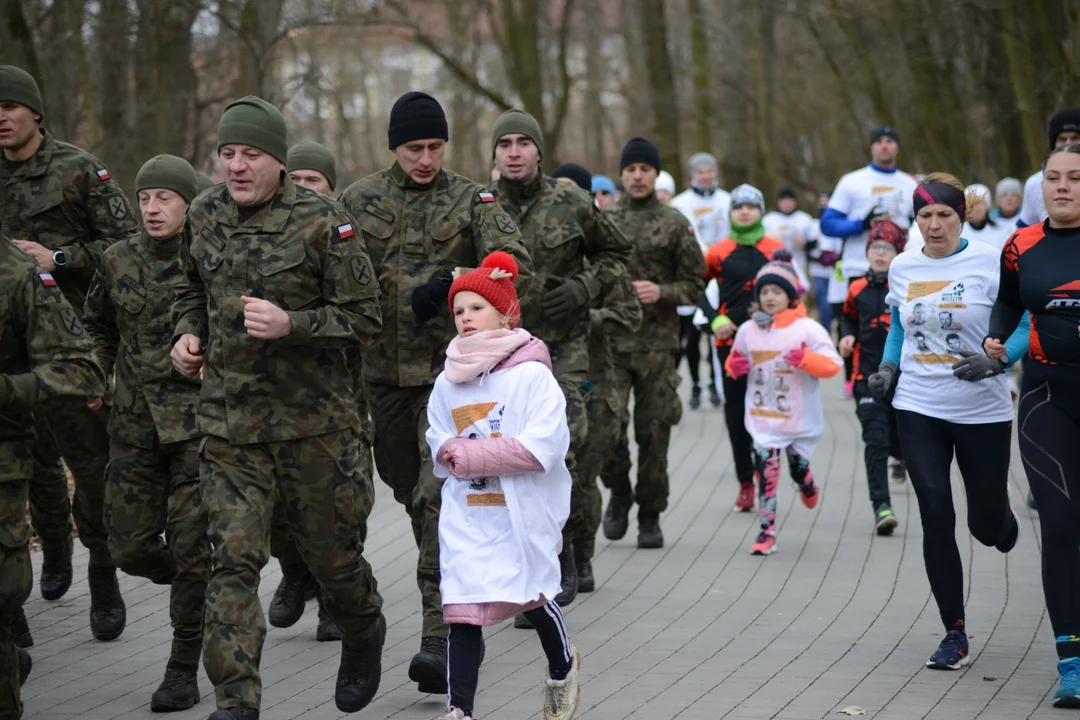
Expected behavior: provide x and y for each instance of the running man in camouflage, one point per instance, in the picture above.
(59, 204)
(278, 286)
(44, 357)
(420, 222)
(153, 477)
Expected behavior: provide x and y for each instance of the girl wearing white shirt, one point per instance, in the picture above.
(941, 297)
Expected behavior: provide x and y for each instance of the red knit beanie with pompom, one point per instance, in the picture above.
(493, 281)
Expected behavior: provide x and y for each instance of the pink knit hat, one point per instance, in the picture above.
(778, 271)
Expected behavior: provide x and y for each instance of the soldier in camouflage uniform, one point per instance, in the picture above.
(153, 477)
(278, 286)
(59, 204)
(667, 269)
(313, 166)
(578, 254)
(45, 355)
(420, 222)
(205, 181)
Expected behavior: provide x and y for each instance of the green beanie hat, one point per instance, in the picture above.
(517, 121)
(18, 86)
(310, 155)
(205, 181)
(255, 122)
(171, 173)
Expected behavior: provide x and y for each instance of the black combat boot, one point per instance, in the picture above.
(328, 630)
(568, 579)
(25, 664)
(428, 667)
(108, 615)
(20, 631)
(56, 570)
(361, 669)
(586, 583)
(178, 691)
(617, 516)
(649, 535)
(234, 713)
(288, 603)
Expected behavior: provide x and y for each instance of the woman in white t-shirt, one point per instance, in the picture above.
(941, 298)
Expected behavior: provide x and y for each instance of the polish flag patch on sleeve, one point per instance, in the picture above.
(487, 197)
(103, 174)
(47, 279)
(345, 231)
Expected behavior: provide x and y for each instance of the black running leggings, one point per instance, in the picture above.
(466, 646)
(742, 445)
(1049, 433)
(982, 452)
(690, 347)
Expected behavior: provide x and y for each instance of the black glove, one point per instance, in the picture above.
(428, 298)
(976, 366)
(881, 382)
(564, 298)
(874, 214)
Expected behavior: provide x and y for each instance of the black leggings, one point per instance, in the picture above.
(879, 435)
(742, 445)
(982, 452)
(1049, 432)
(466, 643)
(690, 347)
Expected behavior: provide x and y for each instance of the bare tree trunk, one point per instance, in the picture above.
(16, 39)
(594, 109)
(257, 34)
(114, 145)
(662, 87)
(65, 68)
(703, 112)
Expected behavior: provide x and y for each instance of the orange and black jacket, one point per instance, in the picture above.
(735, 267)
(867, 318)
(1040, 272)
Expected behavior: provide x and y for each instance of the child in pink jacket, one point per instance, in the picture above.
(785, 353)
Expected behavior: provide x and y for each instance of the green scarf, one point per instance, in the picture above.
(747, 234)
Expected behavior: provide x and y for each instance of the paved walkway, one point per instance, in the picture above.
(699, 630)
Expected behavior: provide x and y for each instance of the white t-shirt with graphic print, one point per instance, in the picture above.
(944, 308)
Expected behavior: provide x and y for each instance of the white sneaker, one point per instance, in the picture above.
(561, 697)
(454, 714)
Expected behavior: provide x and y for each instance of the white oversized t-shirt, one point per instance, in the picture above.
(709, 216)
(794, 230)
(944, 308)
(857, 194)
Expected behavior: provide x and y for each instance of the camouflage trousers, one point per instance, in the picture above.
(316, 478)
(607, 418)
(153, 491)
(83, 439)
(573, 385)
(657, 407)
(50, 503)
(16, 573)
(282, 543)
(403, 459)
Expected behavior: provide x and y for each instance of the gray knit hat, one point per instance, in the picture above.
(702, 159)
(310, 155)
(517, 121)
(19, 86)
(1009, 185)
(170, 173)
(747, 195)
(255, 122)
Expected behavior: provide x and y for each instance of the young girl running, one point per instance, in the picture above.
(785, 353)
(499, 436)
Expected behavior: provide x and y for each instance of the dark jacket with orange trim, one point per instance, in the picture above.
(735, 267)
(866, 316)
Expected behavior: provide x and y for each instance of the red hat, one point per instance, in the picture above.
(493, 281)
(887, 231)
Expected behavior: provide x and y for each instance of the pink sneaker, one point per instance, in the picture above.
(765, 543)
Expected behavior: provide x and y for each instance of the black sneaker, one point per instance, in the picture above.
(649, 535)
(586, 583)
(20, 631)
(361, 669)
(56, 570)
(714, 396)
(288, 603)
(695, 397)
(428, 667)
(25, 665)
(885, 520)
(178, 691)
(899, 472)
(108, 615)
(568, 579)
(234, 713)
(328, 630)
(617, 516)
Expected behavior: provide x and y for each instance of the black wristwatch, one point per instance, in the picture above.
(59, 258)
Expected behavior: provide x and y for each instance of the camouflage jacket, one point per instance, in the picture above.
(567, 237)
(64, 199)
(128, 315)
(665, 252)
(300, 251)
(44, 350)
(619, 311)
(417, 233)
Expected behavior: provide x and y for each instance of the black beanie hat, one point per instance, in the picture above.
(581, 177)
(417, 116)
(1067, 120)
(884, 131)
(787, 192)
(640, 150)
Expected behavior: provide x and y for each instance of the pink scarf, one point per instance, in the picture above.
(467, 358)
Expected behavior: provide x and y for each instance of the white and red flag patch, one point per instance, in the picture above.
(103, 174)
(47, 279)
(487, 197)
(345, 231)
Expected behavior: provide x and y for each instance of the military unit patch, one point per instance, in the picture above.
(505, 223)
(71, 321)
(117, 206)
